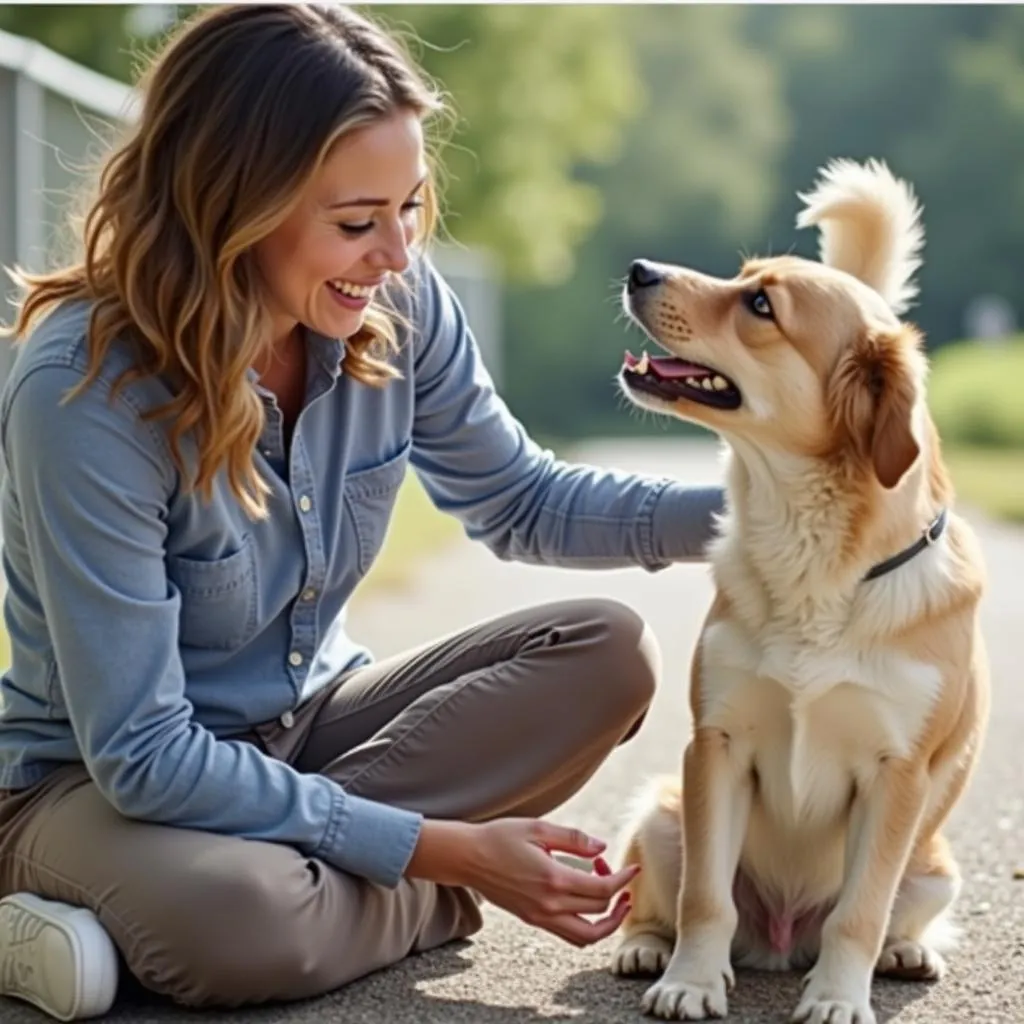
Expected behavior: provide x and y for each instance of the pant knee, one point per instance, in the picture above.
(624, 659)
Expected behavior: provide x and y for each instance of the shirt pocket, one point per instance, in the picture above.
(218, 598)
(369, 498)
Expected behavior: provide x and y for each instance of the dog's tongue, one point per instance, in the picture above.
(668, 367)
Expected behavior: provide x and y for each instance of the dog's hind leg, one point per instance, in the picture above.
(654, 841)
(919, 927)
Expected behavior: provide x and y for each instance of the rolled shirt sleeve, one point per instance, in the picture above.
(477, 462)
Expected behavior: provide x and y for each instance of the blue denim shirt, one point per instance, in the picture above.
(148, 628)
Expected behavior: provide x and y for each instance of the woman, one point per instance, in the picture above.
(206, 781)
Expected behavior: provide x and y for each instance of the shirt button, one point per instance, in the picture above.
(295, 659)
(308, 594)
(305, 503)
(287, 719)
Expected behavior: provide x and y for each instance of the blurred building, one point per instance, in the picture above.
(55, 117)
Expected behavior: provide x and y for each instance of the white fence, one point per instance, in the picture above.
(52, 116)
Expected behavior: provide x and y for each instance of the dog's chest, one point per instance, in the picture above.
(813, 722)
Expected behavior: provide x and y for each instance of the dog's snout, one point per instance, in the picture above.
(642, 275)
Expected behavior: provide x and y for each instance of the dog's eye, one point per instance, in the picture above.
(758, 304)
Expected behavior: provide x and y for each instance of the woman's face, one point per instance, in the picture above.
(352, 227)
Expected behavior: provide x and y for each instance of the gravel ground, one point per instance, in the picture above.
(512, 975)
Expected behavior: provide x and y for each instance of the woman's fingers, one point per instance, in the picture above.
(581, 932)
(574, 891)
(566, 840)
(574, 882)
(601, 870)
(559, 905)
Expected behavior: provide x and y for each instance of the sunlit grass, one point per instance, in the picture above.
(974, 394)
(417, 529)
(992, 479)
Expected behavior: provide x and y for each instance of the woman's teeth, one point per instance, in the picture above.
(356, 291)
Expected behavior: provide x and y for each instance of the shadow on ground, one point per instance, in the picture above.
(373, 998)
(591, 995)
(760, 997)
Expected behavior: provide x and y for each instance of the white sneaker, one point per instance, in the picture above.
(57, 957)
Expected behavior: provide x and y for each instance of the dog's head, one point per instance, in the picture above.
(803, 357)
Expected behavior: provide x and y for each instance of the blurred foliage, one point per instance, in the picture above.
(591, 135)
(936, 91)
(521, 125)
(903, 83)
(975, 394)
(991, 479)
(535, 91)
(696, 181)
(96, 35)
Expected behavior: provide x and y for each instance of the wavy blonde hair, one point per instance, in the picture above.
(238, 113)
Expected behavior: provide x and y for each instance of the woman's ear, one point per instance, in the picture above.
(873, 392)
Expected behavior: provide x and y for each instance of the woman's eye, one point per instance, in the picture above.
(758, 304)
(360, 229)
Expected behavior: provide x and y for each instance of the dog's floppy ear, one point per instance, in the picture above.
(872, 394)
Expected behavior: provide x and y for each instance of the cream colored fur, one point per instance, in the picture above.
(836, 721)
(870, 227)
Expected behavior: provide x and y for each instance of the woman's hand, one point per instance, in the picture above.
(509, 863)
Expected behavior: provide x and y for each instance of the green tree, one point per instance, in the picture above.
(934, 91)
(536, 91)
(970, 165)
(100, 36)
(697, 177)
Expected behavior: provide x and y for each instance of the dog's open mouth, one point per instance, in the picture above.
(669, 378)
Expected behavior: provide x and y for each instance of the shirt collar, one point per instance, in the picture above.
(328, 353)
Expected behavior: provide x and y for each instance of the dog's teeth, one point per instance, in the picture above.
(644, 364)
(719, 383)
(693, 382)
(707, 385)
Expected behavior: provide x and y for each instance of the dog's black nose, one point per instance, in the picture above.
(642, 275)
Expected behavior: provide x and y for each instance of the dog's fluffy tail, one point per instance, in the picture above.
(870, 224)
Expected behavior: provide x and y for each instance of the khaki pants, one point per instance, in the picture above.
(510, 717)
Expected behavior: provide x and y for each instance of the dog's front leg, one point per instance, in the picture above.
(716, 808)
(883, 826)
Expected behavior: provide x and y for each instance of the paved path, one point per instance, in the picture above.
(511, 975)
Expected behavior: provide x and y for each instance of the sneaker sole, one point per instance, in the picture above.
(84, 985)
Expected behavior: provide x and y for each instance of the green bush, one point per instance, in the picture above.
(976, 393)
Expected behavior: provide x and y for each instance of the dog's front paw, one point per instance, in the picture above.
(910, 961)
(690, 991)
(833, 1000)
(641, 953)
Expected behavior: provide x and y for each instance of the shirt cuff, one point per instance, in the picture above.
(370, 839)
(684, 521)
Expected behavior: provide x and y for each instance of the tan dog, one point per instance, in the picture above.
(839, 688)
